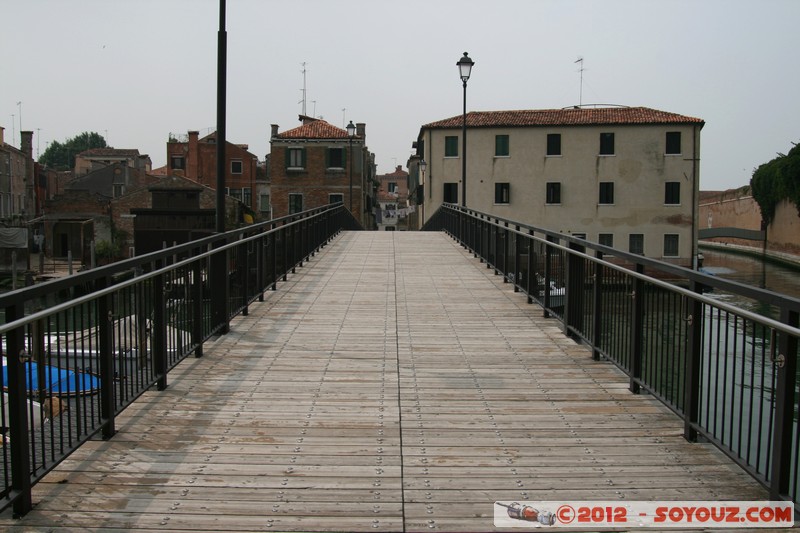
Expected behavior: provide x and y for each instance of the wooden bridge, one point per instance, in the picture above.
(392, 384)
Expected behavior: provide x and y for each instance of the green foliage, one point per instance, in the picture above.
(108, 251)
(775, 181)
(61, 156)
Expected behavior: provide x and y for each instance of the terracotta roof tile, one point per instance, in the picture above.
(317, 129)
(110, 152)
(565, 117)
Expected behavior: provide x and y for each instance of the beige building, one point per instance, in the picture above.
(626, 177)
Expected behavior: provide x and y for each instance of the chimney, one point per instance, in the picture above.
(2, 139)
(274, 131)
(361, 130)
(192, 157)
(26, 144)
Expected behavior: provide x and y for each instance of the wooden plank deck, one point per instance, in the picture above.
(392, 384)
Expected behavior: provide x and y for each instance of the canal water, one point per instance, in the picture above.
(752, 270)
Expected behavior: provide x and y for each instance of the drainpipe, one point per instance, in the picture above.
(695, 187)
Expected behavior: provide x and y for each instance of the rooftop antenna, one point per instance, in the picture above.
(19, 105)
(580, 99)
(303, 101)
(13, 129)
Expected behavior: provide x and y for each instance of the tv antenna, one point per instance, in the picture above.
(581, 69)
(303, 90)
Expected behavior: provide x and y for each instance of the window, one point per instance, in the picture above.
(295, 203)
(236, 167)
(450, 193)
(501, 146)
(553, 192)
(606, 144)
(119, 190)
(335, 158)
(392, 186)
(636, 243)
(671, 241)
(247, 196)
(606, 192)
(672, 193)
(177, 162)
(295, 158)
(234, 193)
(502, 193)
(553, 144)
(263, 202)
(673, 143)
(451, 146)
(606, 239)
(335, 198)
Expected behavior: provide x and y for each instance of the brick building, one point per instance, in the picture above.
(83, 212)
(97, 158)
(317, 164)
(196, 159)
(393, 200)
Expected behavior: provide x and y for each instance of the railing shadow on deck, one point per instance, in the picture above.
(730, 373)
(78, 350)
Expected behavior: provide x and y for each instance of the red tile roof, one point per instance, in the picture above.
(110, 152)
(316, 129)
(565, 117)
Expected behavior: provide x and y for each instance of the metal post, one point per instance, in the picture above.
(464, 150)
(350, 164)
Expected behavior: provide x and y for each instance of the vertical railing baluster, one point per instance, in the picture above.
(692, 380)
(785, 364)
(159, 347)
(18, 407)
(637, 328)
(197, 308)
(597, 306)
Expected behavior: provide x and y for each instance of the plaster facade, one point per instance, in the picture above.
(545, 169)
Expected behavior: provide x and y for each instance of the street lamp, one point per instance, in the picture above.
(464, 70)
(423, 166)
(351, 131)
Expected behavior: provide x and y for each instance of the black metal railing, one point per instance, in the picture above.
(730, 372)
(78, 350)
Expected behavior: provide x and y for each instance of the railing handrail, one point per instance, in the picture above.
(125, 334)
(126, 265)
(166, 252)
(714, 364)
(743, 289)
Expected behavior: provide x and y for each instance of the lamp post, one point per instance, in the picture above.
(351, 131)
(464, 70)
(423, 166)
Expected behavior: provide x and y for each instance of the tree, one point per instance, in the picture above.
(775, 181)
(61, 156)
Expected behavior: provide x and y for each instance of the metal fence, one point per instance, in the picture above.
(729, 372)
(78, 350)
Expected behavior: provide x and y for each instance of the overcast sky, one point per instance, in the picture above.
(134, 71)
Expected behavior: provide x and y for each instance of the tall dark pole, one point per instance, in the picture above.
(351, 131)
(351, 173)
(464, 69)
(219, 261)
(222, 52)
(464, 151)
